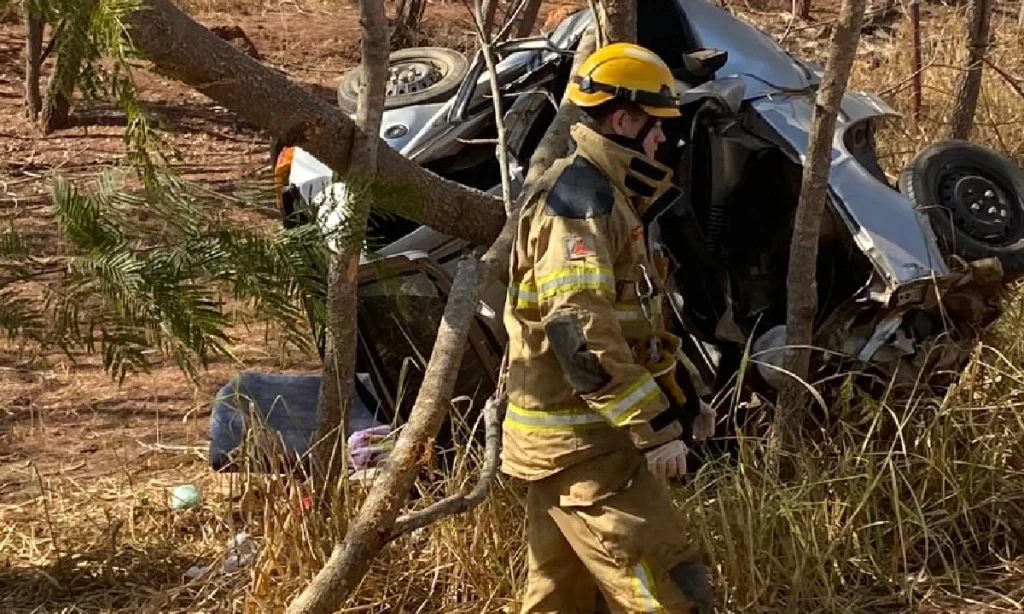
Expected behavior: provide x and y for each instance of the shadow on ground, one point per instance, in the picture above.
(128, 579)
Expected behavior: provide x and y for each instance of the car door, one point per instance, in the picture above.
(401, 302)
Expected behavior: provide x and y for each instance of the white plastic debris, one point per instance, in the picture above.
(242, 551)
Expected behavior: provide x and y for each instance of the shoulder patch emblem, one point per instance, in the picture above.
(576, 248)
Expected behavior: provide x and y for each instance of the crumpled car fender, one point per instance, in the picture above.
(895, 236)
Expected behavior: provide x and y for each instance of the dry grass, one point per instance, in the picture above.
(915, 505)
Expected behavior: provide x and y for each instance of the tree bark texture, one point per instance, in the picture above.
(494, 414)
(618, 20)
(338, 372)
(33, 61)
(802, 9)
(555, 143)
(61, 86)
(182, 49)
(801, 283)
(968, 84)
(372, 527)
(488, 10)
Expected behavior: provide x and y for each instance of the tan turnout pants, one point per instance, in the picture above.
(604, 534)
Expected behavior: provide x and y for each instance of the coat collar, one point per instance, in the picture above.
(641, 179)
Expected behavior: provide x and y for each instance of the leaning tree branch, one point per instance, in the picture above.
(494, 414)
(370, 530)
(183, 49)
(1013, 83)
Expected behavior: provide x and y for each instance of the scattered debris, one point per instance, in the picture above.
(185, 496)
(368, 447)
(242, 551)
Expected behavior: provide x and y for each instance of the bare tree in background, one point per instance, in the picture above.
(338, 375)
(405, 26)
(801, 283)
(528, 18)
(968, 84)
(33, 61)
(802, 9)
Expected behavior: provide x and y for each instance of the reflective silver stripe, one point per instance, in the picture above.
(523, 295)
(576, 278)
(644, 585)
(552, 420)
(617, 410)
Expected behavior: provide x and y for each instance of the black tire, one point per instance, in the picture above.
(446, 68)
(974, 198)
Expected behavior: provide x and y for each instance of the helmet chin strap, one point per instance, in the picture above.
(636, 143)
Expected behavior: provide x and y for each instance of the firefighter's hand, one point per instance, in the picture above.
(668, 460)
(704, 423)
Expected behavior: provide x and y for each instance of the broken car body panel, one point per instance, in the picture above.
(769, 97)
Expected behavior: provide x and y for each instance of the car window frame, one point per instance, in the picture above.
(484, 347)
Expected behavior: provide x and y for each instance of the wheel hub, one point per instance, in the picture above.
(979, 206)
(411, 76)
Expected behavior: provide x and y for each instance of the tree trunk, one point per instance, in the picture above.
(33, 60)
(618, 20)
(528, 18)
(968, 84)
(340, 357)
(182, 49)
(61, 86)
(488, 9)
(801, 283)
(371, 529)
(802, 9)
(408, 14)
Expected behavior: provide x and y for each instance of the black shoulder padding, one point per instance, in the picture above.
(581, 191)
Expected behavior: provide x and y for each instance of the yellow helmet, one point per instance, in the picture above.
(627, 72)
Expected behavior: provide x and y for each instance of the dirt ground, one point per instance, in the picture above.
(71, 420)
(66, 427)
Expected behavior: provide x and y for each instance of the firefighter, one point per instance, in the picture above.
(596, 413)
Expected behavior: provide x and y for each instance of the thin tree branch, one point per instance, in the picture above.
(1005, 75)
(483, 35)
(494, 414)
(338, 373)
(801, 278)
(369, 531)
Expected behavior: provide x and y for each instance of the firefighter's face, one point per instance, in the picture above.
(629, 123)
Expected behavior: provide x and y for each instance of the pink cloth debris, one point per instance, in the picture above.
(368, 448)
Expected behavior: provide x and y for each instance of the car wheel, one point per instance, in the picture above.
(415, 76)
(974, 198)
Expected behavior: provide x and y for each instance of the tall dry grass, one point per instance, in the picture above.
(899, 505)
